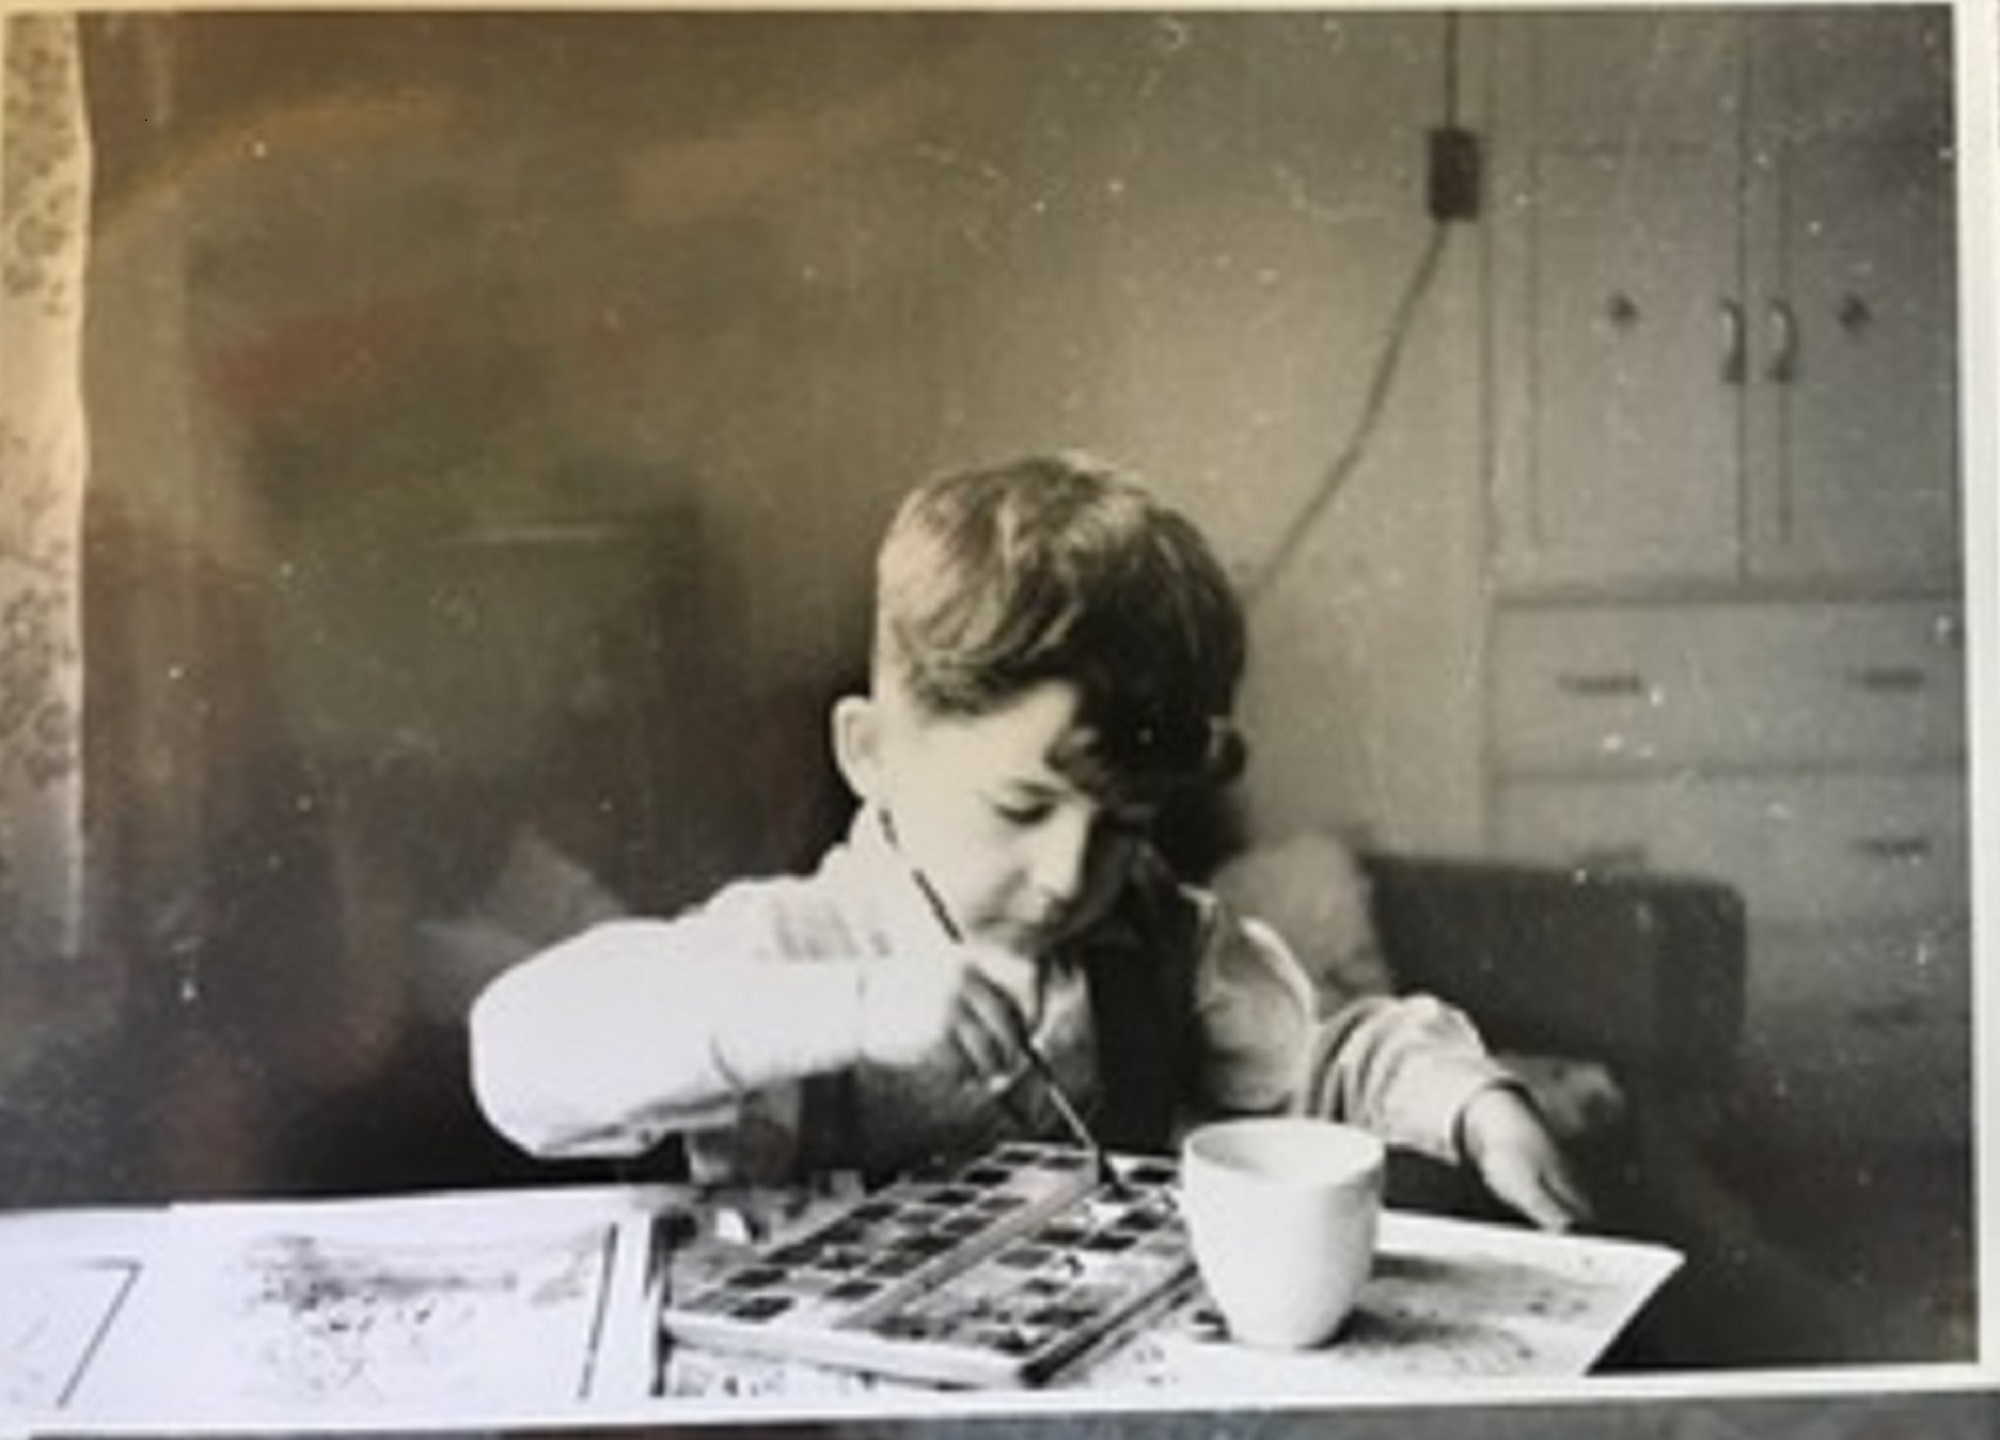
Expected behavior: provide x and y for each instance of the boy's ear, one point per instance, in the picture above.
(857, 744)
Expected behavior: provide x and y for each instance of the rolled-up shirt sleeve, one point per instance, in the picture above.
(1253, 1014)
(1401, 1066)
(605, 1042)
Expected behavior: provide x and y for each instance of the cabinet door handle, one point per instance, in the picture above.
(1888, 679)
(1732, 341)
(1894, 849)
(1602, 684)
(1784, 368)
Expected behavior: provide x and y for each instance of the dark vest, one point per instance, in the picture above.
(1139, 966)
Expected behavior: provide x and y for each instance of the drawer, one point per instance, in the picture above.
(1801, 848)
(1617, 687)
(1861, 1033)
(1810, 986)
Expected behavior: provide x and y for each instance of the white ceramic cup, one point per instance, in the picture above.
(1283, 1213)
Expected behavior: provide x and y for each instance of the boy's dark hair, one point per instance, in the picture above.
(1058, 567)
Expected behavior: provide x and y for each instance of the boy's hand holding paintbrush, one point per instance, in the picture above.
(912, 1008)
(977, 1003)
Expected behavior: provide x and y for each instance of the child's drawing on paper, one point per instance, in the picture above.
(331, 1322)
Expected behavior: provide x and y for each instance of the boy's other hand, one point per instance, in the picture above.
(911, 1010)
(1519, 1160)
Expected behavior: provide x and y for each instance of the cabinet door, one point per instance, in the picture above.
(1855, 437)
(1618, 325)
(1633, 372)
(1849, 229)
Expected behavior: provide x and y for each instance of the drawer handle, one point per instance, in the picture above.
(1602, 684)
(1904, 1014)
(1888, 679)
(1894, 849)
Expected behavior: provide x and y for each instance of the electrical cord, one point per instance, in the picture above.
(1380, 386)
(1382, 383)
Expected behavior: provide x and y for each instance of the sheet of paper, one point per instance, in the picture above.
(64, 1278)
(1448, 1300)
(462, 1307)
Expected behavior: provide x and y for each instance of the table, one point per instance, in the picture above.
(392, 1310)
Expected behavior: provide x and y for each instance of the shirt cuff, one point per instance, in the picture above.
(1428, 1116)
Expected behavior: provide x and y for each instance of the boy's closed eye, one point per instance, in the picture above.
(1125, 822)
(1022, 810)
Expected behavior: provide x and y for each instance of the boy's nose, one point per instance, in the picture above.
(1062, 852)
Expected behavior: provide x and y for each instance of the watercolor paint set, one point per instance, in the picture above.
(995, 1273)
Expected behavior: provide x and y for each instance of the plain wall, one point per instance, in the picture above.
(772, 270)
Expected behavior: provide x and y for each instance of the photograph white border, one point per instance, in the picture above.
(1978, 99)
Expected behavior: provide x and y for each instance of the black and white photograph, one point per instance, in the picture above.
(853, 716)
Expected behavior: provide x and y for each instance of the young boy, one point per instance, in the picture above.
(1055, 655)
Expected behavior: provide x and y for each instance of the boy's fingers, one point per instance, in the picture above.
(977, 1050)
(993, 1012)
(1550, 1198)
(1522, 1192)
(1548, 1210)
(1567, 1194)
(982, 1053)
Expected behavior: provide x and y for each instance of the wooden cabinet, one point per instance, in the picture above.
(1724, 302)
(1724, 545)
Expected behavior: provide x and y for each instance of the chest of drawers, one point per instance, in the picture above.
(1812, 755)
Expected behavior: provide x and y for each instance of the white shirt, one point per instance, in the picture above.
(737, 1022)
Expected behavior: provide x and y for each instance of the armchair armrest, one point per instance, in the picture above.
(1644, 972)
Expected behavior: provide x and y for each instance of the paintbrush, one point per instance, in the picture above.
(1107, 1173)
(1079, 1128)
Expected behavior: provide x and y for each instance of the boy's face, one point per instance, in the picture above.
(1019, 855)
